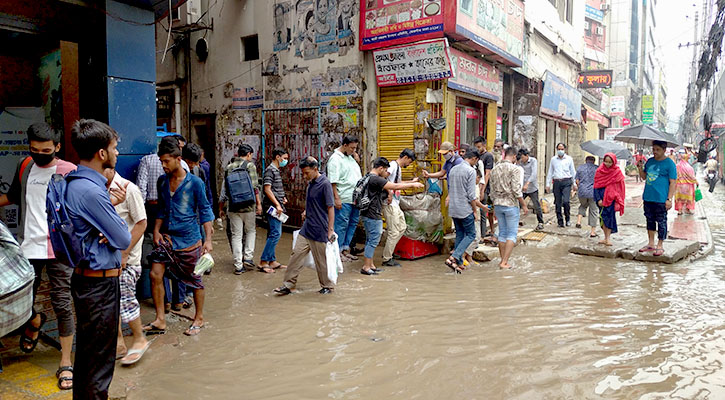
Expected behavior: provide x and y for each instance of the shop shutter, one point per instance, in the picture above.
(396, 120)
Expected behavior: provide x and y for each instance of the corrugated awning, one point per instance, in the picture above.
(160, 7)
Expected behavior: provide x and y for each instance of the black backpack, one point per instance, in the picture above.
(240, 189)
(361, 194)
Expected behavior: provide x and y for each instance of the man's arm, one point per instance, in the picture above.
(157, 231)
(550, 175)
(572, 172)
(143, 178)
(671, 193)
(272, 198)
(440, 174)
(402, 185)
(136, 235)
(336, 196)
(330, 222)
(206, 215)
(642, 170)
(103, 216)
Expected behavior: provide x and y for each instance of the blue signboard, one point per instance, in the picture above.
(560, 99)
(594, 14)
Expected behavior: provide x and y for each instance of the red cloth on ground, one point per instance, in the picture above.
(612, 179)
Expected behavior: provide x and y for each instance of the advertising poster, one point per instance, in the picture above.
(390, 22)
(559, 99)
(497, 25)
(319, 27)
(610, 133)
(420, 62)
(474, 76)
(616, 106)
(247, 99)
(648, 109)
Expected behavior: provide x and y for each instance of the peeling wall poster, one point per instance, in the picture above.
(323, 27)
(247, 99)
(326, 26)
(282, 32)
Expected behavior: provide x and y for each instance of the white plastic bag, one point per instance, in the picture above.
(308, 262)
(334, 264)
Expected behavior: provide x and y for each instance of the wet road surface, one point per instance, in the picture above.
(557, 326)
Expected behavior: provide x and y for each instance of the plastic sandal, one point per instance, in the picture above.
(64, 378)
(25, 340)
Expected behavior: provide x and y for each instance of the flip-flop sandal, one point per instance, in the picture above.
(352, 257)
(193, 330)
(64, 378)
(26, 340)
(151, 329)
(266, 269)
(453, 265)
(593, 235)
(278, 266)
(646, 249)
(658, 252)
(133, 352)
(121, 355)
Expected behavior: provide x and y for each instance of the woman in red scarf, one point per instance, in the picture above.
(609, 195)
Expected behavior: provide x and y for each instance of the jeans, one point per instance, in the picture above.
(656, 215)
(508, 223)
(562, 194)
(346, 220)
(465, 235)
(537, 205)
(373, 230)
(242, 226)
(97, 305)
(273, 235)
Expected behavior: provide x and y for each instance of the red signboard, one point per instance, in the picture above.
(457, 131)
(389, 22)
(595, 79)
(626, 122)
(595, 115)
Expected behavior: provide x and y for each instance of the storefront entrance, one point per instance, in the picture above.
(470, 121)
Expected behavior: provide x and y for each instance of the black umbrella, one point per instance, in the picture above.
(601, 147)
(644, 135)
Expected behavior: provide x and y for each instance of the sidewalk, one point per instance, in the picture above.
(687, 234)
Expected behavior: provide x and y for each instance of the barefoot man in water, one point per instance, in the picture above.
(507, 179)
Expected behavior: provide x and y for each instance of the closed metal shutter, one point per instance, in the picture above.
(396, 120)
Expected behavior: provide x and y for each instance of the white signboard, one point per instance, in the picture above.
(610, 133)
(616, 106)
(418, 62)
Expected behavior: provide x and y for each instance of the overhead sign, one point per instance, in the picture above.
(390, 22)
(626, 122)
(595, 79)
(595, 115)
(497, 26)
(560, 99)
(474, 76)
(593, 14)
(616, 106)
(419, 62)
(648, 109)
(610, 133)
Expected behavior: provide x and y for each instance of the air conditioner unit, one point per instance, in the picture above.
(193, 9)
(188, 13)
(600, 31)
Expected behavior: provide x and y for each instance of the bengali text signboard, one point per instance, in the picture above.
(610, 133)
(390, 22)
(595, 79)
(494, 25)
(419, 62)
(474, 76)
(616, 106)
(648, 109)
(560, 99)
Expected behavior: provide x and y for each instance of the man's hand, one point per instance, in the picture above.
(304, 215)
(338, 203)
(425, 174)
(547, 189)
(668, 204)
(279, 210)
(284, 201)
(574, 187)
(259, 209)
(415, 179)
(599, 203)
(118, 194)
(525, 187)
(331, 235)
(124, 259)
(448, 198)
(417, 185)
(158, 238)
(207, 248)
(525, 210)
(390, 199)
(103, 239)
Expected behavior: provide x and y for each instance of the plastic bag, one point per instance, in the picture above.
(698, 194)
(334, 264)
(205, 263)
(434, 187)
(308, 261)
(423, 217)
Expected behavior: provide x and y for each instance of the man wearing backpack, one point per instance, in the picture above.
(374, 189)
(99, 235)
(28, 190)
(240, 176)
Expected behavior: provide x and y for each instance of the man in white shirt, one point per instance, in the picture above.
(561, 176)
(394, 217)
(132, 210)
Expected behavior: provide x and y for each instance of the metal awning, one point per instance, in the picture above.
(160, 7)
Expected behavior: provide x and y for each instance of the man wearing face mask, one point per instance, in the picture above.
(28, 190)
(562, 175)
(448, 151)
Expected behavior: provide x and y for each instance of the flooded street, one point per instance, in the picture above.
(557, 326)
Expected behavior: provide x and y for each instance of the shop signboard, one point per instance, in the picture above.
(593, 14)
(559, 99)
(474, 76)
(626, 122)
(610, 133)
(386, 23)
(616, 106)
(418, 62)
(595, 115)
(496, 26)
(457, 129)
(595, 79)
(648, 109)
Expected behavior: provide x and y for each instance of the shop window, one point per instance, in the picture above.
(250, 48)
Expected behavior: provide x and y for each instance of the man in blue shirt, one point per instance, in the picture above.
(183, 205)
(94, 285)
(317, 230)
(660, 176)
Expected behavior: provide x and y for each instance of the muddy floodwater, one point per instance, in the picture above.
(558, 326)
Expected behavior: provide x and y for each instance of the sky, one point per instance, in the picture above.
(676, 25)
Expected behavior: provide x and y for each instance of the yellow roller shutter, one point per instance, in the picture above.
(396, 120)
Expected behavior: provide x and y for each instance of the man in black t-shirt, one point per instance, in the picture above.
(377, 190)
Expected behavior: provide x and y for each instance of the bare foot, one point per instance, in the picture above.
(605, 242)
(504, 266)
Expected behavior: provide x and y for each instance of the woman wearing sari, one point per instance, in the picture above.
(609, 195)
(685, 190)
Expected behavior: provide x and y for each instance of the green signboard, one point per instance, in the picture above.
(648, 109)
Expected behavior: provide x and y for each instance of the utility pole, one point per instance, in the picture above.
(687, 130)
